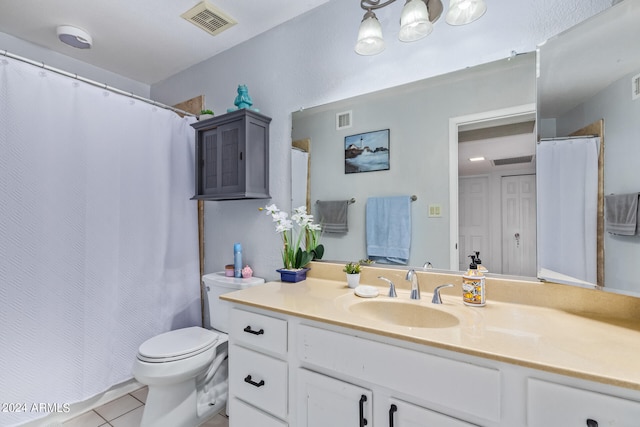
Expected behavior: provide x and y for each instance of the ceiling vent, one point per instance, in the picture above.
(212, 20)
(512, 160)
(635, 87)
(343, 120)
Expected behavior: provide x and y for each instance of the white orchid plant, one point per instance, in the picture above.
(296, 253)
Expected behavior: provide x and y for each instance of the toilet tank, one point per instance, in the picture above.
(217, 284)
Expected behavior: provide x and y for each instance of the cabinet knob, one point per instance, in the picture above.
(392, 410)
(592, 423)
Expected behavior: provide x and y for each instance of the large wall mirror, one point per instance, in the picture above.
(589, 83)
(436, 125)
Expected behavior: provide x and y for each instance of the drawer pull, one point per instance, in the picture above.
(363, 420)
(393, 409)
(253, 383)
(592, 423)
(251, 331)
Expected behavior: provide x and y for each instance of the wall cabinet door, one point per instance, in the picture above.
(326, 401)
(404, 414)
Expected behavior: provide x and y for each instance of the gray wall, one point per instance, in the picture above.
(621, 170)
(66, 63)
(310, 61)
(417, 115)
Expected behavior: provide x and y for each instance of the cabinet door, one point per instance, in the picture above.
(209, 180)
(403, 414)
(559, 405)
(325, 401)
(232, 159)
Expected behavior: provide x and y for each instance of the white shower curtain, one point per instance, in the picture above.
(98, 237)
(567, 187)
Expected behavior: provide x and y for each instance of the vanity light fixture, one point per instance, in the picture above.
(416, 20)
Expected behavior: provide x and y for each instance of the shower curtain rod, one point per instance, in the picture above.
(93, 83)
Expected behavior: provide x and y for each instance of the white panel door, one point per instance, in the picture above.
(473, 220)
(519, 225)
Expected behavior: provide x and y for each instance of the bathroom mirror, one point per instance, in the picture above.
(418, 117)
(589, 74)
(424, 170)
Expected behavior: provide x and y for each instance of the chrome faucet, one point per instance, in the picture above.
(436, 293)
(415, 287)
(392, 288)
(427, 265)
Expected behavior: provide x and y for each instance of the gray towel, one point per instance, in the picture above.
(333, 216)
(621, 214)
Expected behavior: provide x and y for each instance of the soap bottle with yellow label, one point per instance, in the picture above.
(473, 289)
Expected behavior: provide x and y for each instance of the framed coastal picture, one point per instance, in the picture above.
(366, 152)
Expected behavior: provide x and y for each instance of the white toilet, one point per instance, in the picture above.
(186, 369)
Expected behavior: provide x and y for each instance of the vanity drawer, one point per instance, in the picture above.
(550, 404)
(440, 382)
(243, 415)
(259, 331)
(259, 380)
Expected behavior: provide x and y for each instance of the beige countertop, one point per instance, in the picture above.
(572, 341)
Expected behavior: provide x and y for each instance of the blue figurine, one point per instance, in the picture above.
(243, 100)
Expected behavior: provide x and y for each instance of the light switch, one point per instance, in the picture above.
(435, 211)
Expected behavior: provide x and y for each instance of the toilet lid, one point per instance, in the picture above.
(178, 344)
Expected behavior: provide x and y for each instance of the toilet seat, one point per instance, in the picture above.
(177, 345)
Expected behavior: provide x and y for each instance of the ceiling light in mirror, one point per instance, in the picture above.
(463, 12)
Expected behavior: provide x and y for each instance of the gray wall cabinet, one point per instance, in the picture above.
(232, 156)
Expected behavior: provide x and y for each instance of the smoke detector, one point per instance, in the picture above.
(74, 37)
(209, 18)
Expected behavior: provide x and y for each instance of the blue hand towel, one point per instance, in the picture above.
(388, 224)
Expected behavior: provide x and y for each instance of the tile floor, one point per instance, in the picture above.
(126, 411)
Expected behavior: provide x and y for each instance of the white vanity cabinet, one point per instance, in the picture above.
(326, 401)
(289, 371)
(369, 376)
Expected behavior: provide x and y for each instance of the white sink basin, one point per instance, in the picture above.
(402, 313)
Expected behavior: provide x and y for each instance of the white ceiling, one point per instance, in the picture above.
(587, 58)
(144, 40)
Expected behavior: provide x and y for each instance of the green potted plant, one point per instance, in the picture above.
(353, 273)
(205, 114)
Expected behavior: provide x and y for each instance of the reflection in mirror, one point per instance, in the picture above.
(590, 74)
(421, 161)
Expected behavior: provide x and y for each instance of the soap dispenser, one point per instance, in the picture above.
(481, 268)
(473, 289)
